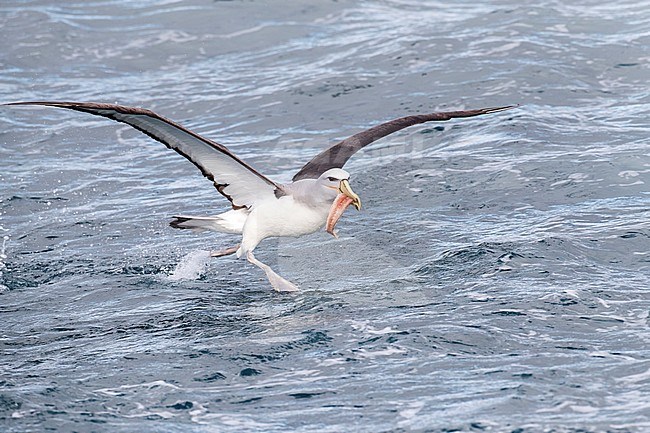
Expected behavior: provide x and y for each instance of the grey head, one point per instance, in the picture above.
(336, 181)
(322, 191)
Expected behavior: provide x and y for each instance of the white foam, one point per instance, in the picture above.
(3, 257)
(191, 266)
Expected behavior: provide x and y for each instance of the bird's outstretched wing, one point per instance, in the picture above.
(233, 178)
(337, 155)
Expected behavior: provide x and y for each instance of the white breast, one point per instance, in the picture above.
(281, 217)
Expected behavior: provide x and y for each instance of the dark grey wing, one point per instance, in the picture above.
(233, 178)
(337, 155)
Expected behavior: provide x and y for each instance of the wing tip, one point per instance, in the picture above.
(78, 106)
(490, 110)
(95, 108)
(50, 103)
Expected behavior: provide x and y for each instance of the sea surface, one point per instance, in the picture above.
(497, 278)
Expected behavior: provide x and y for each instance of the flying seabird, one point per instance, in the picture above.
(262, 208)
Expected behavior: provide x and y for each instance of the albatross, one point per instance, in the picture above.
(261, 208)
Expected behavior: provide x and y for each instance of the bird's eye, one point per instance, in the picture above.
(332, 179)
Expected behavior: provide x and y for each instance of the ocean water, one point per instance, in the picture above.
(496, 280)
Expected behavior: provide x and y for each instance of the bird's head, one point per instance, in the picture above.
(338, 181)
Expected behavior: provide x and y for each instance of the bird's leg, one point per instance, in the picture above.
(278, 283)
(224, 252)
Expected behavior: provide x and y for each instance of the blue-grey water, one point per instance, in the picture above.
(497, 278)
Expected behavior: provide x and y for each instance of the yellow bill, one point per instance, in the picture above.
(340, 204)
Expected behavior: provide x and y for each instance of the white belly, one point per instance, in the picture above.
(283, 217)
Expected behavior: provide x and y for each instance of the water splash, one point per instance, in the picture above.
(191, 266)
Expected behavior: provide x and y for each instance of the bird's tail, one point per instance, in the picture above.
(227, 222)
